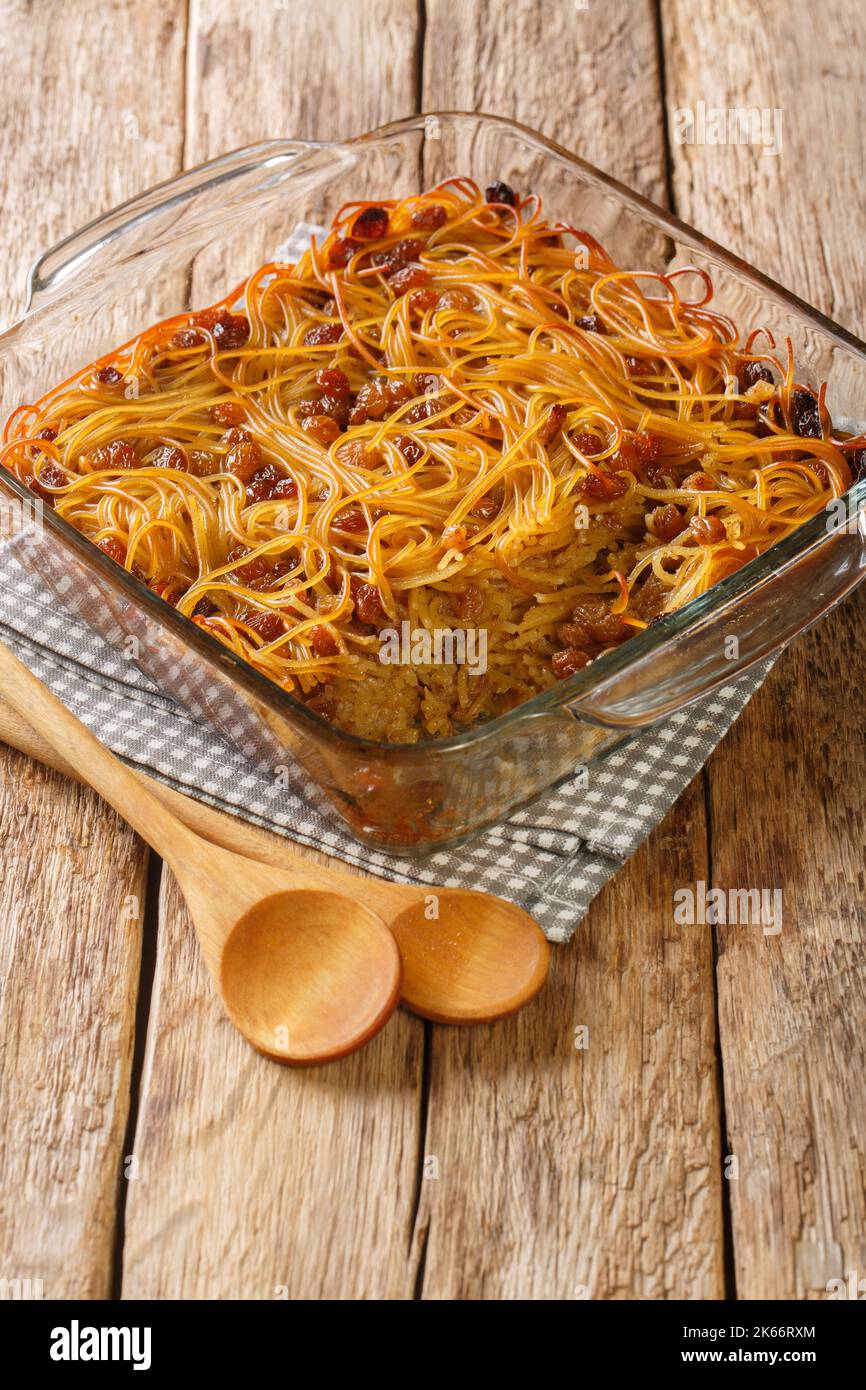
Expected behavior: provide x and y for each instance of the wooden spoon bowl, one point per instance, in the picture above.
(493, 955)
(289, 1000)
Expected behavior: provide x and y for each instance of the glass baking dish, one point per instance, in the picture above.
(184, 243)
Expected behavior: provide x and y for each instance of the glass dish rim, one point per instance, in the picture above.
(563, 693)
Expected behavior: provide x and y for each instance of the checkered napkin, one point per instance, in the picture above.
(551, 858)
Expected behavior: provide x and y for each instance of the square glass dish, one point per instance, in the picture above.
(184, 243)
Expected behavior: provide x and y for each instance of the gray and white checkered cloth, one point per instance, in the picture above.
(551, 858)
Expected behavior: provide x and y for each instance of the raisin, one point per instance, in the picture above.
(342, 251)
(336, 408)
(499, 192)
(113, 548)
(699, 482)
(468, 603)
(647, 446)
(602, 487)
(422, 301)
(593, 621)
(426, 384)
(169, 456)
(367, 601)
(51, 476)
(398, 392)
(262, 483)
(227, 413)
(323, 333)
(323, 641)
(333, 382)
(411, 277)
(398, 255)
(371, 224)
(552, 425)
(187, 338)
(47, 434)
(118, 454)
(286, 562)
(108, 376)
(238, 434)
(232, 331)
(588, 444)
(256, 569)
(205, 608)
(229, 330)
(286, 487)
(421, 411)
(323, 428)
(805, 415)
(358, 454)
(357, 415)
(708, 530)
(636, 366)
(201, 464)
(351, 519)
(768, 416)
(590, 323)
(568, 661)
(268, 625)
(458, 300)
(752, 372)
(667, 522)
(372, 399)
(486, 507)
(411, 450)
(167, 591)
(243, 460)
(431, 217)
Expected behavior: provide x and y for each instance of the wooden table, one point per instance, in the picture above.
(711, 1141)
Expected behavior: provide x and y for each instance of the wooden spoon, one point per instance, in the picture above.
(450, 973)
(306, 974)
(468, 957)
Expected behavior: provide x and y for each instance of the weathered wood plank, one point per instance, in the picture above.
(70, 871)
(70, 944)
(591, 1173)
(788, 787)
(256, 1181)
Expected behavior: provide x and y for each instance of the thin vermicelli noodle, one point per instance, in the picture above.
(451, 415)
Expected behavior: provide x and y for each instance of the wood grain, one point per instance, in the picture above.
(258, 1183)
(787, 787)
(535, 1169)
(319, 72)
(568, 1165)
(585, 77)
(70, 943)
(70, 869)
(568, 1173)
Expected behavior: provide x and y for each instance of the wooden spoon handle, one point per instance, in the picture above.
(78, 748)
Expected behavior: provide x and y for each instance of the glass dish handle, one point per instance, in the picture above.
(754, 624)
(69, 257)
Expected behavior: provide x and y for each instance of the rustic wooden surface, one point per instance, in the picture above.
(710, 1140)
